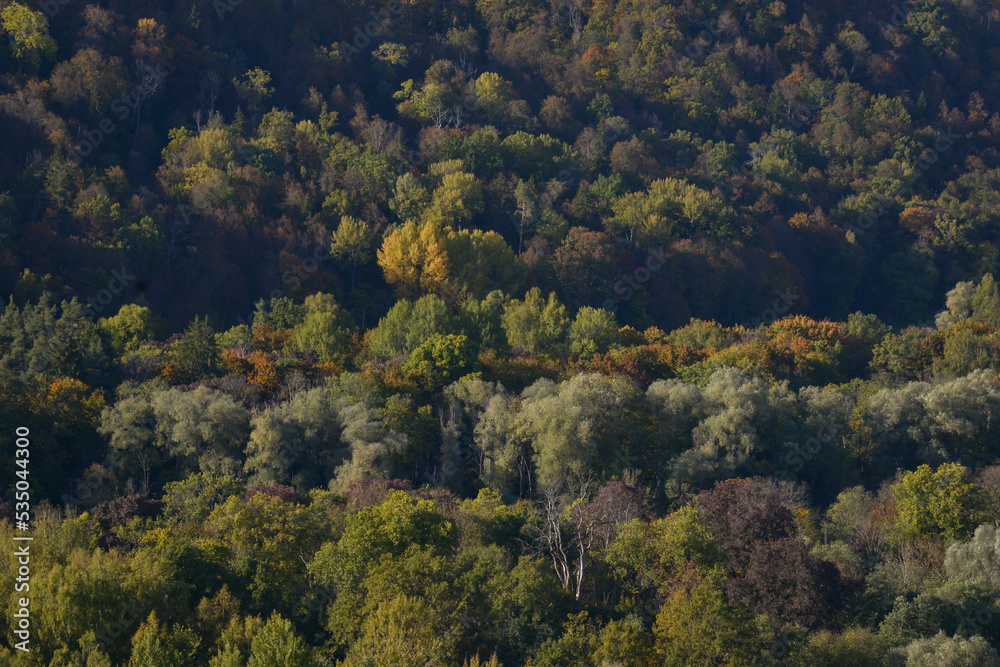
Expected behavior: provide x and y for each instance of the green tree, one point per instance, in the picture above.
(279, 313)
(944, 651)
(977, 559)
(192, 499)
(939, 504)
(592, 331)
(855, 646)
(297, 441)
(408, 324)
(696, 626)
(201, 429)
(130, 427)
(482, 321)
(493, 95)
(277, 645)
(132, 325)
(195, 356)
(457, 201)
(326, 327)
(409, 199)
(352, 244)
(401, 633)
(442, 359)
(267, 544)
(155, 645)
(986, 302)
(374, 533)
(537, 325)
(588, 424)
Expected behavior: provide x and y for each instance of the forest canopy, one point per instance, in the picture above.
(523, 333)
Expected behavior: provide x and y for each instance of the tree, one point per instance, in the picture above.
(268, 542)
(855, 646)
(201, 429)
(297, 442)
(196, 355)
(493, 94)
(940, 504)
(537, 325)
(481, 263)
(789, 585)
(482, 321)
(414, 258)
(591, 332)
(374, 451)
(390, 528)
(977, 559)
(442, 359)
(743, 514)
(254, 90)
(155, 645)
(632, 161)
(382, 531)
(326, 327)
(130, 427)
(279, 313)
(985, 302)
(49, 340)
(527, 209)
(456, 202)
(646, 558)
(91, 78)
(192, 499)
(584, 264)
(744, 419)
(278, 645)
(944, 651)
(587, 427)
(29, 35)
(409, 198)
(132, 325)
(958, 305)
(352, 244)
(408, 324)
(400, 633)
(697, 626)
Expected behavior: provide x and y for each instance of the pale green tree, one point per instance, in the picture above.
(592, 331)
(536, 324)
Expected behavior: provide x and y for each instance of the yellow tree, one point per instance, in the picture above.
(413, 258)
(428, 258)
(28, 32)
